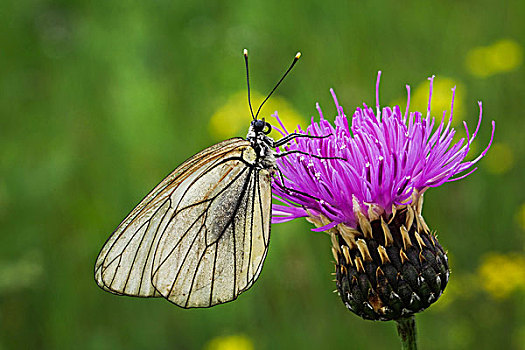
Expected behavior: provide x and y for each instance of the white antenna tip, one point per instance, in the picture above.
(245, 52)
(297, 55)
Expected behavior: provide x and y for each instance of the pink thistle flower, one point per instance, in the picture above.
(368, 196)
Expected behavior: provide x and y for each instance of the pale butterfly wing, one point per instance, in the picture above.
(200, 237)
(127, 243)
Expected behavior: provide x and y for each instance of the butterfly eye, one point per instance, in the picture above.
(268, 128)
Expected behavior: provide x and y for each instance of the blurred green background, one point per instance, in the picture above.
(99, 100)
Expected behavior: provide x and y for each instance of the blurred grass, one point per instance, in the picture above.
(100, 99)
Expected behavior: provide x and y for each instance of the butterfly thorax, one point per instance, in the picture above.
(261, 143)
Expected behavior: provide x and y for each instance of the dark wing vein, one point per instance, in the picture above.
(118, 256)
(149, 251)
(264, 221)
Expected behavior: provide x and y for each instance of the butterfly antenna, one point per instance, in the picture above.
(248, 80)
(296, 58)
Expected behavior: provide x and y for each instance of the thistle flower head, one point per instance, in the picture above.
(365, 187)
(391, 158)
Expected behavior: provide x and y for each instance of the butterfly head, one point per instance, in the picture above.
(258, 130)
(261, 126)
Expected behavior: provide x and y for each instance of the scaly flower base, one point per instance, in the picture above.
(389, 269)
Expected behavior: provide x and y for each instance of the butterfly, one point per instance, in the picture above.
(201, 236)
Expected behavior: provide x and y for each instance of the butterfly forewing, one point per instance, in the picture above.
(200, 237)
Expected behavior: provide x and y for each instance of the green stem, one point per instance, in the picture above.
(406, 328)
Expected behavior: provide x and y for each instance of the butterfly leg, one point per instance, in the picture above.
(284, 188)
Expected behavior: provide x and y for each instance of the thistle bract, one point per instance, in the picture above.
(365, 187)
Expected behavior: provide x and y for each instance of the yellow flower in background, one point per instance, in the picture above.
(503, 56)
(231, 342)
(502, 274)
(500, 160)
(233, 118)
